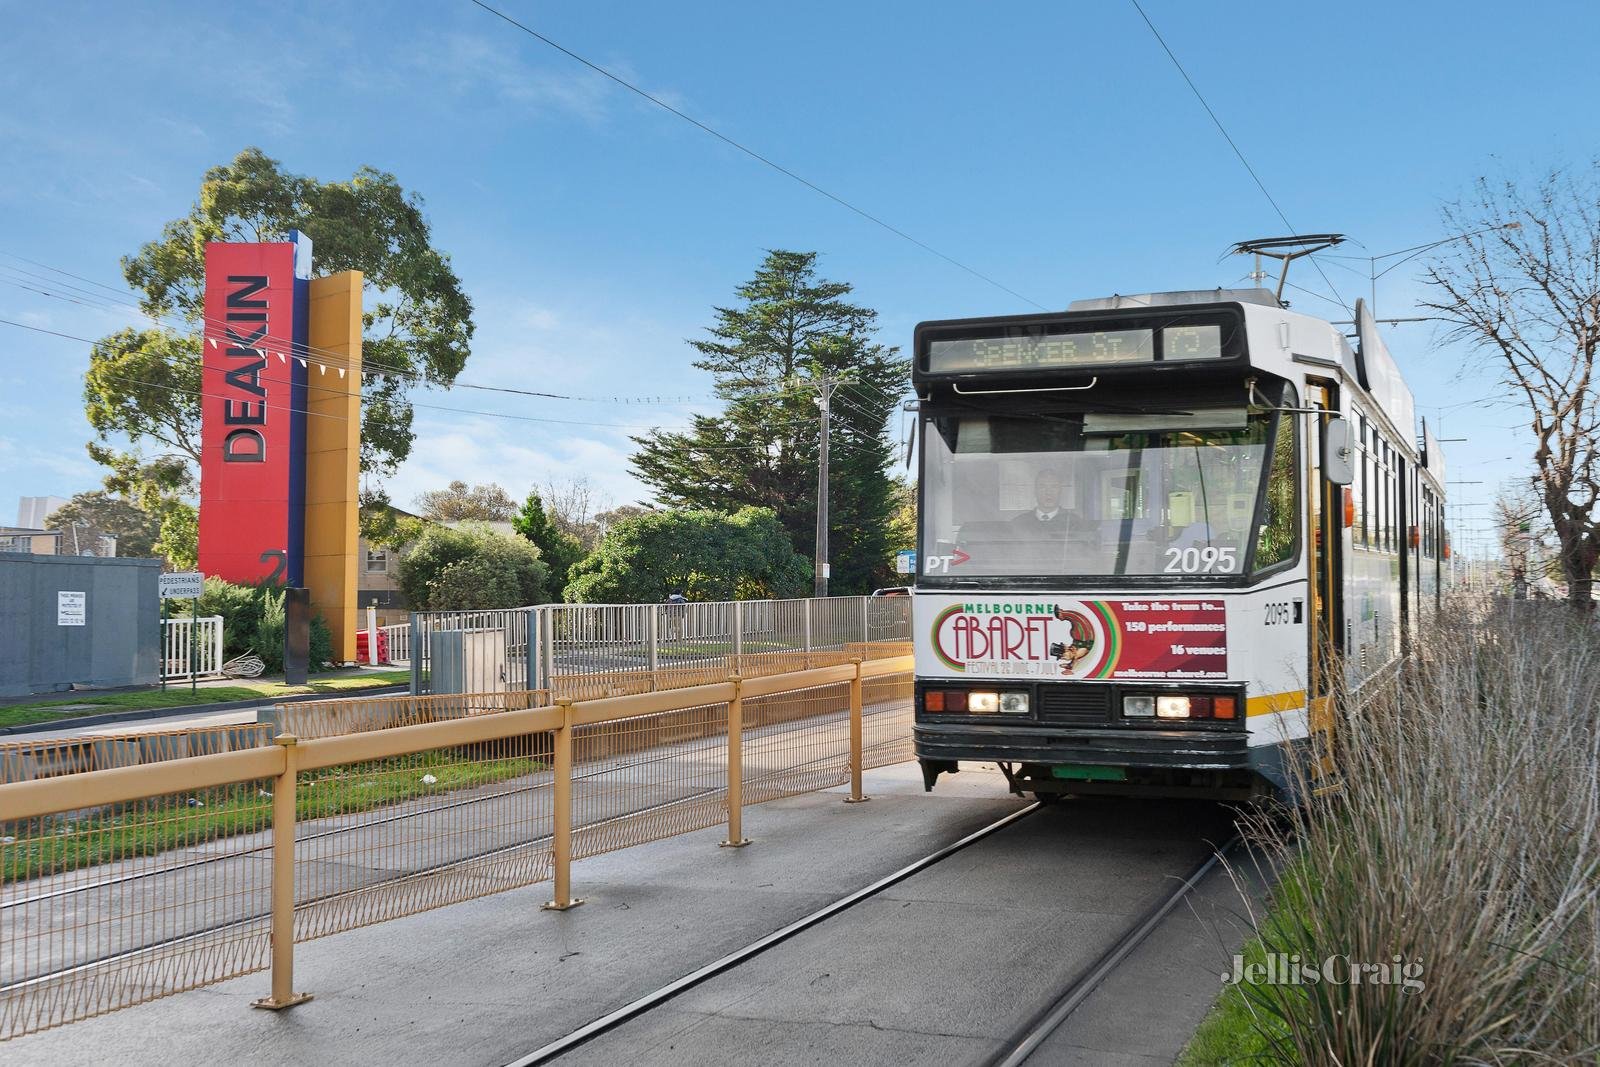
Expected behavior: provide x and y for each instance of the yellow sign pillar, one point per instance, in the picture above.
(333, 455)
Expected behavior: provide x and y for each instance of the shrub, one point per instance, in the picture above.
(253, 620)
(505, 572)
(707, 554)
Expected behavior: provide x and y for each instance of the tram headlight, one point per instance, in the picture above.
(1138, 707)
(1172, 707)
(1013, 703)
(980, 702)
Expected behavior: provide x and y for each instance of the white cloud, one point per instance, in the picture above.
(506, 70)
(69, 472)
(478, 450)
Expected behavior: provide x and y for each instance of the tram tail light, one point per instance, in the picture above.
(947, 700)
(1224, 707)
(1349, 507)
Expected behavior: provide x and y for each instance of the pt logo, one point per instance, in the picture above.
(942, 564)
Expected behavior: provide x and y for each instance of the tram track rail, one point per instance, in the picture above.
(1029, 1038)
(1016, 1049)
(612, 1020)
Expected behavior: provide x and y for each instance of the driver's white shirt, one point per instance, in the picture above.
(1045, 516)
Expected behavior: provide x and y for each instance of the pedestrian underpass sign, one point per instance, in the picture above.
(182, 585)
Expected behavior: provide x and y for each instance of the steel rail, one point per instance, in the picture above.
(612, 1020)
(1026, 1041)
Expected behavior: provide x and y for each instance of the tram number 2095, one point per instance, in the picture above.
(1207, 560)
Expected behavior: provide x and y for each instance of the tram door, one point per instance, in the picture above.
(1325, 502)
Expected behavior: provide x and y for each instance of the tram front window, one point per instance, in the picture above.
(1091, 494)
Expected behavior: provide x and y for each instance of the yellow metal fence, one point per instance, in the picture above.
(125, 884)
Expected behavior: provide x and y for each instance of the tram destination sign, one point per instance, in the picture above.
(1034, 349)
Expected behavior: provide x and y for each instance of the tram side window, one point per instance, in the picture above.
(1385, 493)
(1391, 498)
(1278, 538)
(1380, 535)
(1365, 533)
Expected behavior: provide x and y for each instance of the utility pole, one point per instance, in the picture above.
(825, 388)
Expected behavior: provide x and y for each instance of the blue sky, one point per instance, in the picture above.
(1051, 146)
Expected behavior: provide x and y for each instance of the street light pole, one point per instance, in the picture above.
(824, 402)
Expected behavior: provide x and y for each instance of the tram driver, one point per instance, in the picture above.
(1046, 521)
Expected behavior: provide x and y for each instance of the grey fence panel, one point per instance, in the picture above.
(493, 651)
(484, 651)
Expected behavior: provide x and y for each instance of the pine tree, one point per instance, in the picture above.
(558, 550)
(788, 331)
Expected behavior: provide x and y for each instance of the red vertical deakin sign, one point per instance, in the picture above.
(252, 421)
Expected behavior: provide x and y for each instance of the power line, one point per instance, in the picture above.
(264, 346)
(202, 394)
(752, 153)
(410, 403)
(1231, 143)
(300, 351)
(310, 353)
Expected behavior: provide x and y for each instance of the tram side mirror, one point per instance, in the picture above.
(1338, 454)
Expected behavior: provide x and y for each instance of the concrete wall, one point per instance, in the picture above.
(119, 644)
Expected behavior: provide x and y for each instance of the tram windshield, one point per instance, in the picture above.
(1099, 494)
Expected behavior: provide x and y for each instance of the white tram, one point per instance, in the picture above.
(1141, 518)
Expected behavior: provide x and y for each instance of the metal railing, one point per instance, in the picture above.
(537, 647)
(123, 884)
(183, 638)
(392, 645)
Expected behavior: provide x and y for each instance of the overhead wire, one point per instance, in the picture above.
(1231, 144)
(290, 407)
(305, 353)
(263, 348)
(752, 153)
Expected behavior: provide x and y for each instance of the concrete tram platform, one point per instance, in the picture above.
(488, 981)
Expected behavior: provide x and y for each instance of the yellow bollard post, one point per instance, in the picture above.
(283, 816)
(736, 838)
(561, 815)
(856, 796)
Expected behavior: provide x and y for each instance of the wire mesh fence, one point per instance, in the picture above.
(113, 905)
(796, 742)
(348, 715)
(886, 720)
(379, 839)
(648, 777)
(111, 896)
(50, 757)
(587, 649)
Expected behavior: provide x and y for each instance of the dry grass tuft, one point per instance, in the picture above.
(1465, 839)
